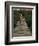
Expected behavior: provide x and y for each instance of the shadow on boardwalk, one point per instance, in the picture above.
(22, 33)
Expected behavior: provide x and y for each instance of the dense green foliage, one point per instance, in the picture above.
(26, 14)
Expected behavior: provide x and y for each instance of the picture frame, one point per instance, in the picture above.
(22, 10)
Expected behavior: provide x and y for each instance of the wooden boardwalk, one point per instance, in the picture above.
(21, 29)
